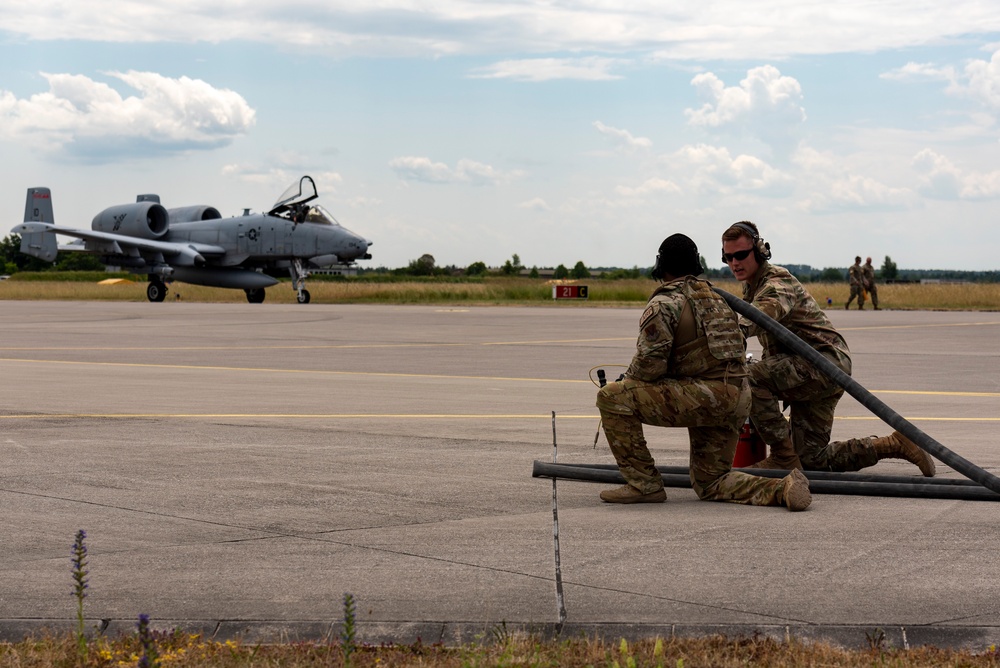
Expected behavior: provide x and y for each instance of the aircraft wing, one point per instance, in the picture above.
(181, 254)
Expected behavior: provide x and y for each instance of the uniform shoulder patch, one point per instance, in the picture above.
(647, 315)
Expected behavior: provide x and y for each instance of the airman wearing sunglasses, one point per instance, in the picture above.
(804, 441)
(688, 371)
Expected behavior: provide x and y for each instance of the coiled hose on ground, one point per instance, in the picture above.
(819, 481)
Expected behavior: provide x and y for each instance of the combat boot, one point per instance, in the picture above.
(795, 494)
(783, 457)
(629, 494)
(897, 446)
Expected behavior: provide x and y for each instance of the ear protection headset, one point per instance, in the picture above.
(761, 249)
(678, 256)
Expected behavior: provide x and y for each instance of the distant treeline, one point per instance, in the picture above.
(806, 273)
(12, 261)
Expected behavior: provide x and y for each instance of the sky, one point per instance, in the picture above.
(559, 131)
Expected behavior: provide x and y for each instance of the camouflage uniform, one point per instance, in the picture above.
(688, 371)
(868, 281)
(856, 279)
(779, 375)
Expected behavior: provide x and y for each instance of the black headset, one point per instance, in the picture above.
(761, 249)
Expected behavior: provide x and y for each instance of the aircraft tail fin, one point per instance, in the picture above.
(35, 239)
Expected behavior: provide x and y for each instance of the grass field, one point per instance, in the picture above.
(178, 649)
(491, 291)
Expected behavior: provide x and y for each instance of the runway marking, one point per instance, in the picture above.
(403, 416)
(443, 344)
(195, 367)
(917, 326)
(339, 346)
(938, 393)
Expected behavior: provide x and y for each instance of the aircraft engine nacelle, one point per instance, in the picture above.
(191, 214)
(144, 220)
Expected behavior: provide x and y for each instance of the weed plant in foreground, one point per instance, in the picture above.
(179, 649)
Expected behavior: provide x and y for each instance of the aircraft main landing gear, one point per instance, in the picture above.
(156, 291)
(299, 281)
(255, 295)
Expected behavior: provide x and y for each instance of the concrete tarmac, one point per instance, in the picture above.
(239, 468)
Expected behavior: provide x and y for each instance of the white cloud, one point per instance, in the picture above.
(728, 29)
(916, 71)
(362, 202)
(713, 169)
(592, 68)
(276, 176)
(978, 79)
(765, 104)
(649, 186)
(91, 120)
(623, 138)
(940, 178)
(414, 168)
(534, 204)
(832, 188)
(983, 81)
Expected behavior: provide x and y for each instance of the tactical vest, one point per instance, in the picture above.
(719, 343)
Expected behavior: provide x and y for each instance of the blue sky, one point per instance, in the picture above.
(560, 131)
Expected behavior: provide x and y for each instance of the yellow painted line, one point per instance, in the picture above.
(343, 346)
(195, 367)
(932, 393)
(408, 416)
(925, 419)
(918, 326)
(329, 416)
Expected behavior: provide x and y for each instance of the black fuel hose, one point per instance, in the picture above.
(812, 475)
(866, 398)
(920, 490)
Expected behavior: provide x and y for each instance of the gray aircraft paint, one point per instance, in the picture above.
(195, 244)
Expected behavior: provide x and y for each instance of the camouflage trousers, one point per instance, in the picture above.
(857, 291)
(813, 398)
(713, 412)
(873, 294)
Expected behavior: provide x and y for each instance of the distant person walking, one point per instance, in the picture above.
(868, 274)
(855, 276)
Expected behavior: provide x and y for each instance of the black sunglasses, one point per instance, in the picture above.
(738, 255)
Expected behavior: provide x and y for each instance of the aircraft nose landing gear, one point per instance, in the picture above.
(255, 295)
(299, 281)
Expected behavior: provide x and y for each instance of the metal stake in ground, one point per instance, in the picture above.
(560, 602)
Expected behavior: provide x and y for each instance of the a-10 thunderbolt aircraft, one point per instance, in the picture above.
(195, 244)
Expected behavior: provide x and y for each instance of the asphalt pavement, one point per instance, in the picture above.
(238, 468)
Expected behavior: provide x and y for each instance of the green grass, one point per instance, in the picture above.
(180, 649)
(493, 290)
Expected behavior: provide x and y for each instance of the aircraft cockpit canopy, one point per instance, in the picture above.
(317, 214)
(300, 192)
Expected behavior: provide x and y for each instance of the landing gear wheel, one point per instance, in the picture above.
(303, 297)
(156, 291)
(255, 295)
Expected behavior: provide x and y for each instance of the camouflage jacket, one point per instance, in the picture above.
(688, 331)
(777, 293)
(855, 274)
(867, 275)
